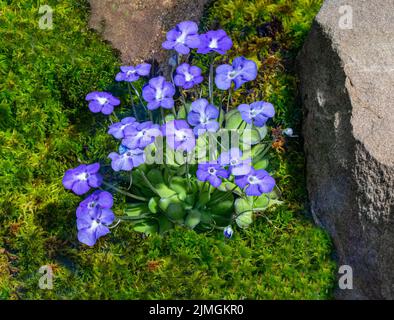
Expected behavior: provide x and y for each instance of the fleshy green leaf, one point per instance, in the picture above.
(253, 135)
(204, 198)
(262, 164)
(223, 207)
(165, 202)
(245, 220)
(179, 185)
(136, 209)
(146, 227)
(153, 204)
(164, 224)
(261, 201)
(156, 179)
(193, 219)
(233, 119)
(169, 117)
(175, 211)
(242, 205)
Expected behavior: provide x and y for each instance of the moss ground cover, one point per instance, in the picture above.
(45, 128)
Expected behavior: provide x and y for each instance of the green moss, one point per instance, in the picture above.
(46, 128)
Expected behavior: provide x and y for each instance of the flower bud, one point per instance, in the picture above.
(288, 132)
(228, 232)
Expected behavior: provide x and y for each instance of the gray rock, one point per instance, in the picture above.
(137, 28)
(347, 89)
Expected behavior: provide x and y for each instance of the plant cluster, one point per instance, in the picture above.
(198, 177)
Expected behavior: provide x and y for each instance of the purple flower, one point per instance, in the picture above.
(103, 102)
(212, 172)
(158, 93)
(183, 37)
(82, 178)
(127, 160)
(242, 70)
(256, 182)
(131, 74)
(233, 159)
(95, 202)
(120, 129)
(94, 214)
(187, 76)
(141, 135)
(257, 113)
(203, 117)
(179, 136)
(217, 41)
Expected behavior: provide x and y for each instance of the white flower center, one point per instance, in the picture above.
(130, 72)
(180, 135)
(233, 162)
(203, 119)
(253, 180)
(188, 76)
(95, 224)
(140, 134)
(213, 44)
(92, 204)
(232, 74)
(182, 38)
(159, 94)
(102, 100)
(253, 112)
(211, 170)
(83, 176)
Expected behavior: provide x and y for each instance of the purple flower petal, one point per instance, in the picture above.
(252, 190)
(87, 236)
(106, 216)
(167, 103)
(80, 187)
(105, 199)
(101, 231)
(143, 69)
(94, 106)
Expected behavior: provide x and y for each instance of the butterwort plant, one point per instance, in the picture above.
(177, 161)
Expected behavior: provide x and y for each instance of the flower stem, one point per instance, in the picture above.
(188, 175)
(162, 115)
(174, 112)
(240, 125)
(229, 98)
(131, 195)
(115, 116)
(140, 217)
(146, 180)
(211, 80)
(150, 115)
(131, 180)
(225, 196)
(203, 186)
(132, 102)
(139, 96)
